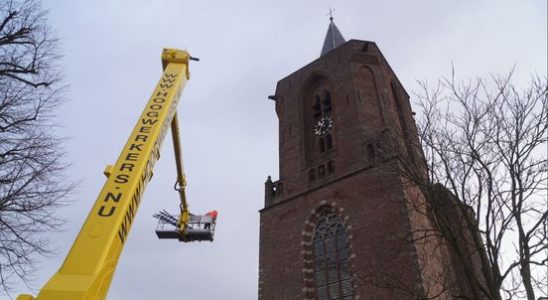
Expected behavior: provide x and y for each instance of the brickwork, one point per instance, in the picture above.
(375, 219)
(372, 124)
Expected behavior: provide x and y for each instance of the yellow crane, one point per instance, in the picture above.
(87, 271)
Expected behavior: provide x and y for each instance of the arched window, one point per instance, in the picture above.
(332, 274)
(312, 174)
(322, 111)
(326, 104)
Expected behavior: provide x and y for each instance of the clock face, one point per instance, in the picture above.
(323, 126)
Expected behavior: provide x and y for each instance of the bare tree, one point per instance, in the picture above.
(31, 167)
(484, 145)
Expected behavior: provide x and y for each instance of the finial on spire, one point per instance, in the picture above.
(333, 38)
(330, 14)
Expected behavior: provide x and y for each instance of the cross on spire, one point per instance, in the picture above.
(330, 14)
(333, 38)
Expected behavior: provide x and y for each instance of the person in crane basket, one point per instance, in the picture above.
(213, 215)
(201, 227)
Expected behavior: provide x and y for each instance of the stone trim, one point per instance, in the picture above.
(306, 253)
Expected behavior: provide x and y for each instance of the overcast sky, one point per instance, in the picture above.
(228, 126)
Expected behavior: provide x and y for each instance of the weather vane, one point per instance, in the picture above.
(330, 14)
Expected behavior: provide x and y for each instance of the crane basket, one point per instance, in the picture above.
(199, 227)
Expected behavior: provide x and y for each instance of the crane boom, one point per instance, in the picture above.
(89, 266)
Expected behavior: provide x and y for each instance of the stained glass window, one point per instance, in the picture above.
(332, 274)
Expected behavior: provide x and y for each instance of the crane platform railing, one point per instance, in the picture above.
(199, 227)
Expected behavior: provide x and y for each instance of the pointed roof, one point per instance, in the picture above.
(333, 38)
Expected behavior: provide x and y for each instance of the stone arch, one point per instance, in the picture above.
(317, 88)
(367, 76)
(308, 254)
(313, 80)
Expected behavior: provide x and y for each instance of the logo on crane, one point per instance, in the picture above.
(132, 154)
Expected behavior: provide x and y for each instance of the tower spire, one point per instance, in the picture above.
(333, 38)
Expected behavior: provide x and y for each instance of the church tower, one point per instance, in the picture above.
(336, 219)
(337, 223)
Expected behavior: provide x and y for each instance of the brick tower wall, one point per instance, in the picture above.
(372, 123)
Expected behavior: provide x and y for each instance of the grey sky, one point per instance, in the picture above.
(228, 127)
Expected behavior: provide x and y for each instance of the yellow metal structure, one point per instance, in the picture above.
(87, 271)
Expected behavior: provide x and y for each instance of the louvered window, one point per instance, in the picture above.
(322, 108)
(332, 274)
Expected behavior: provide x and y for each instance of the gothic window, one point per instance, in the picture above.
(312, 174)
(330, 167)
(332, 274)
(321, 144)
(321, 112)
(326, 105)
(317, 108)
(321, 171)
(328, 142)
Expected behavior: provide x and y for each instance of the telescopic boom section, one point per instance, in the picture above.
(91, 262)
